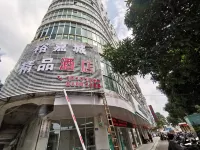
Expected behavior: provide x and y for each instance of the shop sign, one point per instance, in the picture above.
(77, 81)
(67, 64)
(57, 65)
(121, 123)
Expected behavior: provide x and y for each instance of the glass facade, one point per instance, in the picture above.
(63, 134)
(81, 21)
(70, 31)
(74, 14)
(114, 81)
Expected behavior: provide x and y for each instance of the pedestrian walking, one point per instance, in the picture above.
(150, 137)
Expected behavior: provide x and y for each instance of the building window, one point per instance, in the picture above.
(63, 134)
(78, 30)
(60, 30)
(72, 31)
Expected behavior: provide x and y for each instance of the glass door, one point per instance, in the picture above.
(64, 136)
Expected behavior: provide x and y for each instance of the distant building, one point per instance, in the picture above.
(153, 113)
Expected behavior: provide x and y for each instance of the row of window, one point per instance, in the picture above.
(71, 31)
(74, 14)
(86, 6)
(77, 3)
(113, 81)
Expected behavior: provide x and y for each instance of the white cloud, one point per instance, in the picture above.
(105, 2)
(6, 67)
(119, 25)
(19, 21)
(153, 96)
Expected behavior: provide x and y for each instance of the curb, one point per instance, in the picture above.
(155, 145)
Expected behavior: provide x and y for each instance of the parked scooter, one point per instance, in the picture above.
(163, 136)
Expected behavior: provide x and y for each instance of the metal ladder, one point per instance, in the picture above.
(111, 128)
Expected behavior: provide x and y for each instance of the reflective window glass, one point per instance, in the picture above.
(75, 12)
(69, 12)
(44, 32)
(49, 31)
(60, 30)
(84, 32)
(78, 30)
(72, 31)
(55, 29)
(65, 12)
(60, 12)
(89, 33)
(66, 30)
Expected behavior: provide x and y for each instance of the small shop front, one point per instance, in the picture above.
(127, 134)
(63, 134)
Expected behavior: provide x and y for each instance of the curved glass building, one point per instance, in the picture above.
(66, 54)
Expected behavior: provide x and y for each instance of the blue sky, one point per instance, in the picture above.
(20, 19)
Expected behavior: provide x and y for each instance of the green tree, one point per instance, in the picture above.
(173, 121)
(161, 120)
(198, 108)
(166, 45)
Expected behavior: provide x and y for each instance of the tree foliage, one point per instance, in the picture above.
(173, 121)
(161, 120)
(165, 44)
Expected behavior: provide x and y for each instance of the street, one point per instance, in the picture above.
(162, 145)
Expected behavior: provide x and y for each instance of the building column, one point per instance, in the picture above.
(130, 137)
(43, 136)
(138, 134)
(2, 113)
(118, 136)
(134, 138)
(101, 135)
(29, 136)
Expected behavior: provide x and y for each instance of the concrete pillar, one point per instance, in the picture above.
(6, 147)
(2, 113)
(130, 137)
(101, 136)
(29, 135)
(138, 134)
(119, 138)
(134, 138)
(43, 135)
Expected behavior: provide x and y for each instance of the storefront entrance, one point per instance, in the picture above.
(63, 135)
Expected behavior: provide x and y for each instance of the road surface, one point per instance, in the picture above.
(162, 145)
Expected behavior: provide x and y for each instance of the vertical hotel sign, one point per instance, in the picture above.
(61, 64)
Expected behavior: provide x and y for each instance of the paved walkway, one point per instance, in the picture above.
(150, 146)
(163, 145)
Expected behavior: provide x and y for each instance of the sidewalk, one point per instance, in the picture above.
(150, 146)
